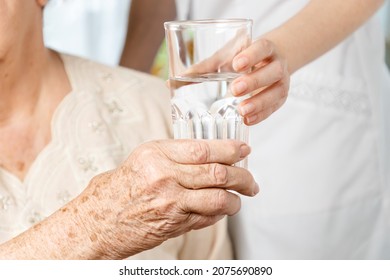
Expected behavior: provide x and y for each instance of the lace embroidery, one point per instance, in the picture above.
(87, 164)
(34, 217)
(107, 77)
(63, 197)
(113, 107)
(351, 101)
(96, 126)
(5, 203)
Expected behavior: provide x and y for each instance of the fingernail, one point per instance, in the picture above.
(240, 63)
(239, 87)
(251, 119)
(247, 108)
(244, 151)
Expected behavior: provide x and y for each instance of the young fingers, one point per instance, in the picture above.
(270, 73)
(257, 52)
(263, 104)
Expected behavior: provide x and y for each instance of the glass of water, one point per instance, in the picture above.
(200, 73)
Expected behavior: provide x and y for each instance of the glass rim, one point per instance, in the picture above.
(182, 24)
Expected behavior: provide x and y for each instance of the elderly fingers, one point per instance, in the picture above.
(204, 151)
(217, 175)
(210, 202)
(196, 221)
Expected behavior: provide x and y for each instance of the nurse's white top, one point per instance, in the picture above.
(322, 160)
(93, 29)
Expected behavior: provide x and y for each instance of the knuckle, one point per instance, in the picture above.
(221, 201)
(199, 152)
(146, 164)
(233, 150)
(138, 158)
(267, 46)
(145, 150)
(279, 69)
(155, 176)
(219, 174)
(256, 83)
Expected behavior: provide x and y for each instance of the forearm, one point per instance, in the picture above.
(146, 32)
(320, 26)
(82, 229)
(60, 236)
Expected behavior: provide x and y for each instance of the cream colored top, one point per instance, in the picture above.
(108, 113)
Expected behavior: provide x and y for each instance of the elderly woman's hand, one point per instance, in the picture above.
(163, 190)
(267, 83)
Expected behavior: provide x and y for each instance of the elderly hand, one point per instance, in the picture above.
(163, 190)
(267, 83)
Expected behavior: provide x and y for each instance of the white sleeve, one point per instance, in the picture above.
(183, 9)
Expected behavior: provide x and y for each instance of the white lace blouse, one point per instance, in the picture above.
(108, 113)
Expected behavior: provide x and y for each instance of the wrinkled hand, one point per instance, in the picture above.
(164, 189)
(267, 83)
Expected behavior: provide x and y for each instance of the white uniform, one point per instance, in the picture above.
(93, 29)
(322, 160)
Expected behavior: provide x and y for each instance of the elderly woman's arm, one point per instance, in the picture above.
(164, 189)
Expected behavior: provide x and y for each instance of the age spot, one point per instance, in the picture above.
(93, 237)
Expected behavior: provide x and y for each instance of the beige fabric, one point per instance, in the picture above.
(108, 113)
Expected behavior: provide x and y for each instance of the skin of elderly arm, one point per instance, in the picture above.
(145, 32)
(162, 190)
(60, 236)
(320, 26)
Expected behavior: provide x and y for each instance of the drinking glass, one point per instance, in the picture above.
(200, 56)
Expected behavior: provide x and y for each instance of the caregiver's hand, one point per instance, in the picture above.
(267, 83)
(265, 78)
